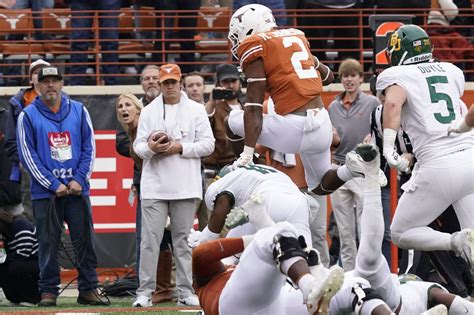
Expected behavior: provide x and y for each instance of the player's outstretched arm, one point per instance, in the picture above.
(463, 124)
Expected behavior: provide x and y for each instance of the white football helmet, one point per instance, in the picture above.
(247, 21)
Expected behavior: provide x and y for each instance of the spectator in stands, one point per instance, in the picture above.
(407, 7)
(17, 103)
(464, 21)
(149, 80)
(173, 134)
(277, 7)
(6, 4)
(19, 273)
(350, 115)
(35, 6)
(193, 85)
(82, 23)
(59, 158)
(346, 23)
(187, 22)
(450, 45)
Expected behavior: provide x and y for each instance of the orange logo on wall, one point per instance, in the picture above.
(382, 31)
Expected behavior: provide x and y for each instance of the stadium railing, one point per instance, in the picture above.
(140, 28)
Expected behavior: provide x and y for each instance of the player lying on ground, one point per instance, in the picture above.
(256, 285)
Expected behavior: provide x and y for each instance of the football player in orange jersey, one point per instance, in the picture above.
(280, 62)
(257, 284)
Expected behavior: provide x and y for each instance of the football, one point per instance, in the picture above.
(160, 134)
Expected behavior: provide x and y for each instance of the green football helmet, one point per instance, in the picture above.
(409, 44)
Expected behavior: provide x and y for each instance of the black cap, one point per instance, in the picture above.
(49, 72)
(227, 71)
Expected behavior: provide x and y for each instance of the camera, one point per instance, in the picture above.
(223, 94)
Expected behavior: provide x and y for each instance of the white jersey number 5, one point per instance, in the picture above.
(299, 56)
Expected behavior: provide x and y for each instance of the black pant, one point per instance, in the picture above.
(186, 22)
(19, 280)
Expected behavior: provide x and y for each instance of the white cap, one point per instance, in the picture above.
(40, 63)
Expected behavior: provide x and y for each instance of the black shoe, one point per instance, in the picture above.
(48, 300)
(91, 298)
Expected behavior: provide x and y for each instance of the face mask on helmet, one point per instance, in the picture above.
(249, 20)
(409, 44)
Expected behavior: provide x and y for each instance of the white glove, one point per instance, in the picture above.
(393, 158)
(458, 126)
(193, 238)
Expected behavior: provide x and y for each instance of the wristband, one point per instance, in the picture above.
(389, 137)
(248, 151)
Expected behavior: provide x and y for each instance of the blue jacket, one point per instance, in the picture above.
(57, 147)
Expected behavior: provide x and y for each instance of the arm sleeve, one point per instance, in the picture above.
(207, 257)
(140, 145)
(204, 141)
(86, 162)
(122, 142)
(29, 156)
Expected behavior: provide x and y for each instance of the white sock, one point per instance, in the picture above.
(371, 183)
(460, 305)
(343, 173)
(306, 284)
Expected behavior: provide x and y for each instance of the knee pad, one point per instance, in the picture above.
(286, 248)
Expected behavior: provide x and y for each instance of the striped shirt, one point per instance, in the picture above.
(21, 242)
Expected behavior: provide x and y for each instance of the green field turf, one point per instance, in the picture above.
(68, 305)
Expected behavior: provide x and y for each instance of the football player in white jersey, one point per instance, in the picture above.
(255, 186)
(371, 288)
(423, 96)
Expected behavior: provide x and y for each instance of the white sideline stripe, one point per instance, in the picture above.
(98, 183)
(105, 165)
(103, 200)
(127, 183)
(108, 136)
(102, 226)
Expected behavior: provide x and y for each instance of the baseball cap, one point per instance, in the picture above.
(49, 72)
(40, 63)
(227, 71)
(170, 71)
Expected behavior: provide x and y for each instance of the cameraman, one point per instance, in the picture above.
(225, 97)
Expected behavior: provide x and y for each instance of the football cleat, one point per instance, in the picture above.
(462, 243)
(325, 287)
